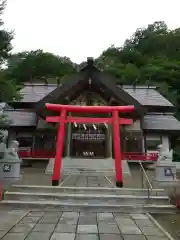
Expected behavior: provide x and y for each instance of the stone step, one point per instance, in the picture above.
(94, 166)
(64, 206)
(86, 198)
(88, 190)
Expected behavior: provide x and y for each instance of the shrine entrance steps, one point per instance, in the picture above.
(98, 199)
(85, 166)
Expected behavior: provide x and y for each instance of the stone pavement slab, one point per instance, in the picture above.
(130, 230)
(52, 214)
(125, 222)
(87, 220)
(68, 220)
(156, 238)
(87, 229)
(108, 228)
(70, 215)
(14, 236)
(63, 236)
(2, 233)
(6, 226)
(35, 214)
(104, 216)
(144, 223)
(38, 236)
(65, 228)
(87, 237)
(22, 228)
(152, 231)
(139, 216)
(46, 225)
(88, 181)
(134, 237)
(49, 219)
(30, 219)
(110, 237)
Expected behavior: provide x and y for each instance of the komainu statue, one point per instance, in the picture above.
(164, 155)
(165, 167)
(3, 140)
(12, 152)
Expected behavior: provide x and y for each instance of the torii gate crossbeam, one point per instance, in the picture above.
(62, 119)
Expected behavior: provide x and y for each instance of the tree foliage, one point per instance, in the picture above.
(8, 89)
(35, 66)
(151, 55)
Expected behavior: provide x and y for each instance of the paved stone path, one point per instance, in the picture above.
(37, 225)
(87, 181)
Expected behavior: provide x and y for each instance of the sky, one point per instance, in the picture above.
(80, 28)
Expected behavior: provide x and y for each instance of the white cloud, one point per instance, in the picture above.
(79, 28)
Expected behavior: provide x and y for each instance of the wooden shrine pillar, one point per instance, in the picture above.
(117, 149)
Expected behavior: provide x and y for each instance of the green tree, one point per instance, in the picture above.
(8, 88)
(37, 66)
(151, 55)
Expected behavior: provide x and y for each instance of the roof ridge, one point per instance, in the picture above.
(40, 84)
(119, 85)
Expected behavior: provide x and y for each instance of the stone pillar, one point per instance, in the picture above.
(68, 139)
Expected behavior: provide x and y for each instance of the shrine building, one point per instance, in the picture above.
(153, 119)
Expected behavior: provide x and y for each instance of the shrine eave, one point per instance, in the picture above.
(161, 123)
(88, 77)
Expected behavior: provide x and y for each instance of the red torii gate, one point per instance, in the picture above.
(62, 119)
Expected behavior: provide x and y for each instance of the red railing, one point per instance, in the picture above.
(134, 156)
(36, 154)
(140, 156)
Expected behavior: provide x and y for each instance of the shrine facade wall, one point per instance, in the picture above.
(46, 140)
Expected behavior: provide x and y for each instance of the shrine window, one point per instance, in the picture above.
(45, 141)
(25, 142)
(132, 141)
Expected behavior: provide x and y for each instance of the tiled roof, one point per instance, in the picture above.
(21, 118)
(148, 96)
(35, 92)
(144, 95)
(161, 122)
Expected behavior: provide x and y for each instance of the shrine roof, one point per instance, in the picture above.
(35, 92)
(147, 96)
(161, 122)
(90, 78)
(20, 118)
